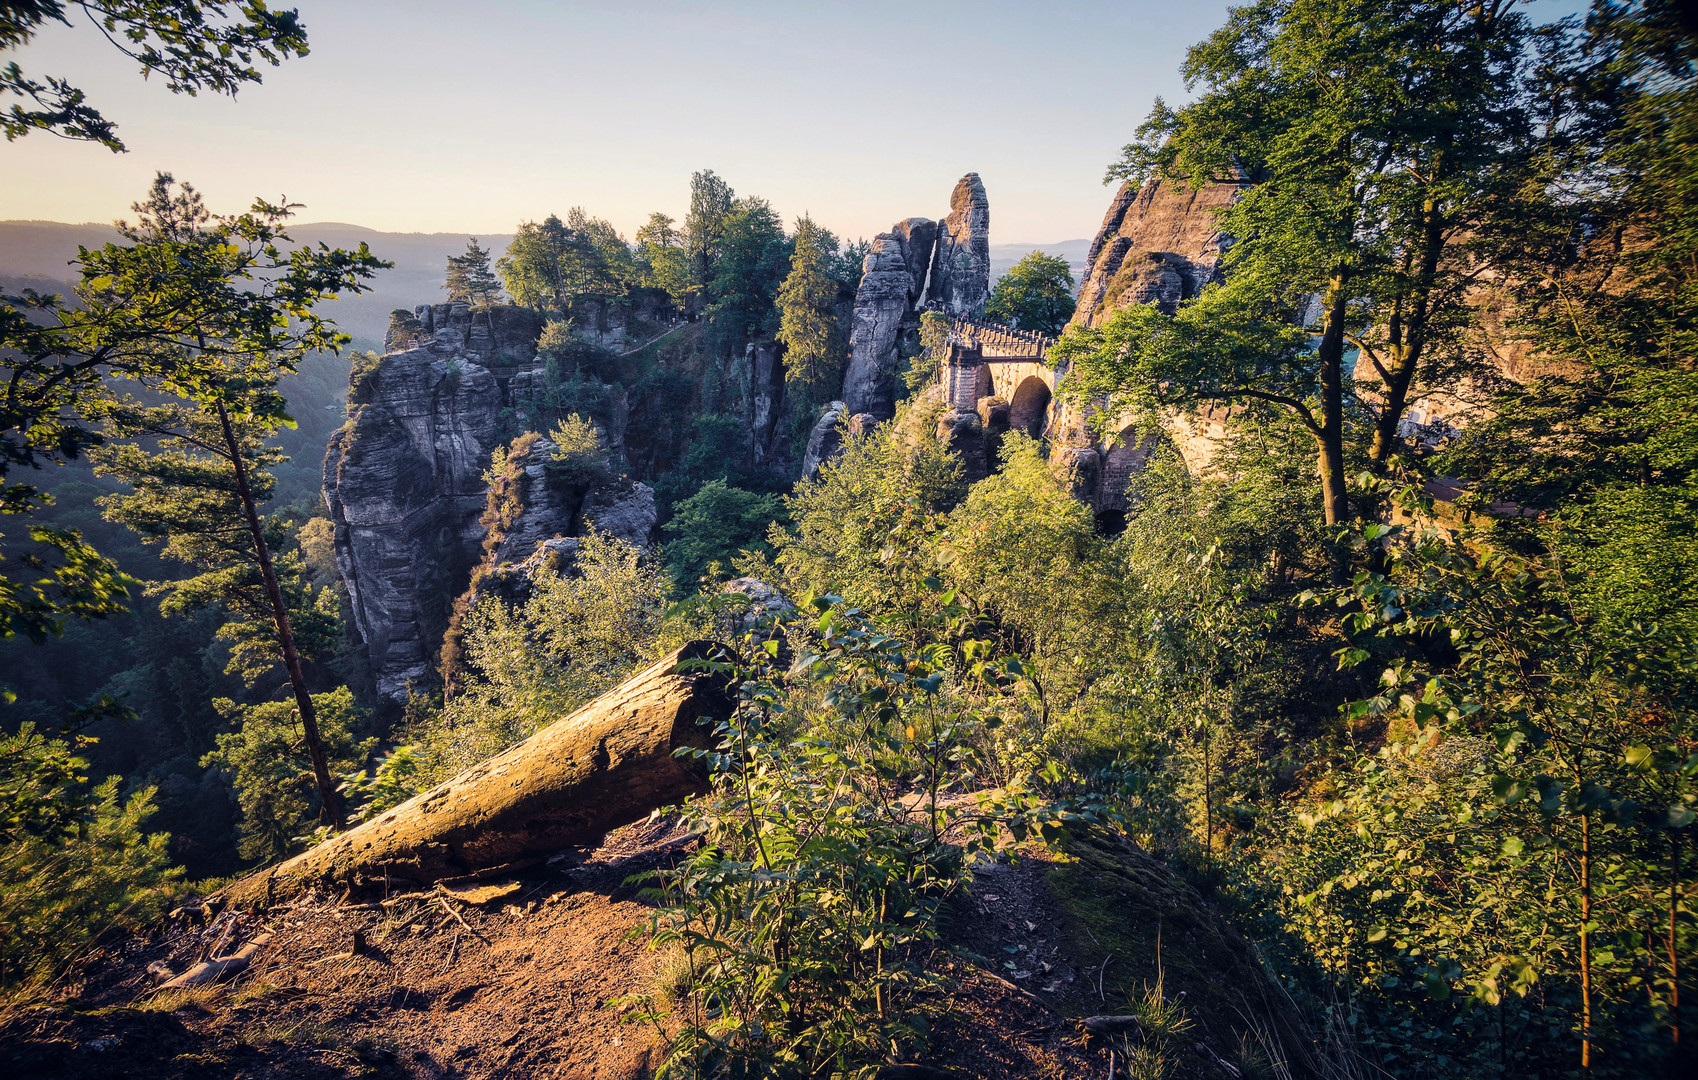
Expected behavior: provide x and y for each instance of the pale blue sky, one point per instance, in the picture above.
(425, 115)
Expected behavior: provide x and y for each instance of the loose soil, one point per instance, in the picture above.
(529, 984)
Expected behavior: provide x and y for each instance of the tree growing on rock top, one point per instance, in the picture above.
(711, 200)
(662, 260)
(470, 278)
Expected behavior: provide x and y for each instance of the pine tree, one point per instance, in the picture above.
(470, 279)
(808, 327)
(206, 315)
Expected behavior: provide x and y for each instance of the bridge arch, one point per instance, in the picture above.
(1028, 408)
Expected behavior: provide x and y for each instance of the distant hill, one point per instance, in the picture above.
(36, 250)
(42, 249)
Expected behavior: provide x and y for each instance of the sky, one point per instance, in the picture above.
(426, 116)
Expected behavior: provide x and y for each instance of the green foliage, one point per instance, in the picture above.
(663, 261)
(711, 200)
(803, 919)
(814, 348)
(469, 277)
(578, 456)
(934, 350)
(1605, 440)
(190, 307)
(392, 781)
(265, 758)
(193, 45)
(1379, 137)
(548, 265)
(716, 443)
(1495, 875)
(752, 260)
(865, 524)
(578, 634)
(362, 367)
(63, 578)
(74, 862)
(1036, 294)
(712, 527)
(183, 497)
(1029, 554)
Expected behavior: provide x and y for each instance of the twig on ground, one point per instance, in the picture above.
(1025, 994)
(453, 947)
(445, 907)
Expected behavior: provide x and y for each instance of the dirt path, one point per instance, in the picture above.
(528, 985)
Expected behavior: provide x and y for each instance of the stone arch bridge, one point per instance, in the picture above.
(1004, 376)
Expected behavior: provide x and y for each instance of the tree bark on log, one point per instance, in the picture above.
(608, 764)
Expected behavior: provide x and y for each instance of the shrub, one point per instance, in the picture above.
(801, 919)
(75, 864)
(712, 526)
(578, 458)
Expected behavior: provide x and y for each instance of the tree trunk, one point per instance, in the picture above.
(606, 765)
(1674, 957)
(1586, 943)
(1330, 439)
(330, 803)
(1408, 341)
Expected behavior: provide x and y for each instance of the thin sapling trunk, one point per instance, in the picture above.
(330, 803)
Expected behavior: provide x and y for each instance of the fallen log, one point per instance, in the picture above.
(606, 765)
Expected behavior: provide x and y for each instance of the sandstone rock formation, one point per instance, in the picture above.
(918, 263)
(882, 304)
(961, 268)
(919, 239)
(403, 480)
(825, 440)
(623, 509)
(1158, 245)
(502, 338)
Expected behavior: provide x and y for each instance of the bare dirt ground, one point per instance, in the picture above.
(526, 985)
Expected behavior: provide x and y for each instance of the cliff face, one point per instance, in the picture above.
(404, 483)
(883, 303)
(1158, 245)
(405, 479)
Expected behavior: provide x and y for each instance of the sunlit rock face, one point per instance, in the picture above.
(918, 264)
(960, 278)
(882, 304)
(1159, 244)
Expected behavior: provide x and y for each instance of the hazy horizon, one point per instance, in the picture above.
(418, 117)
